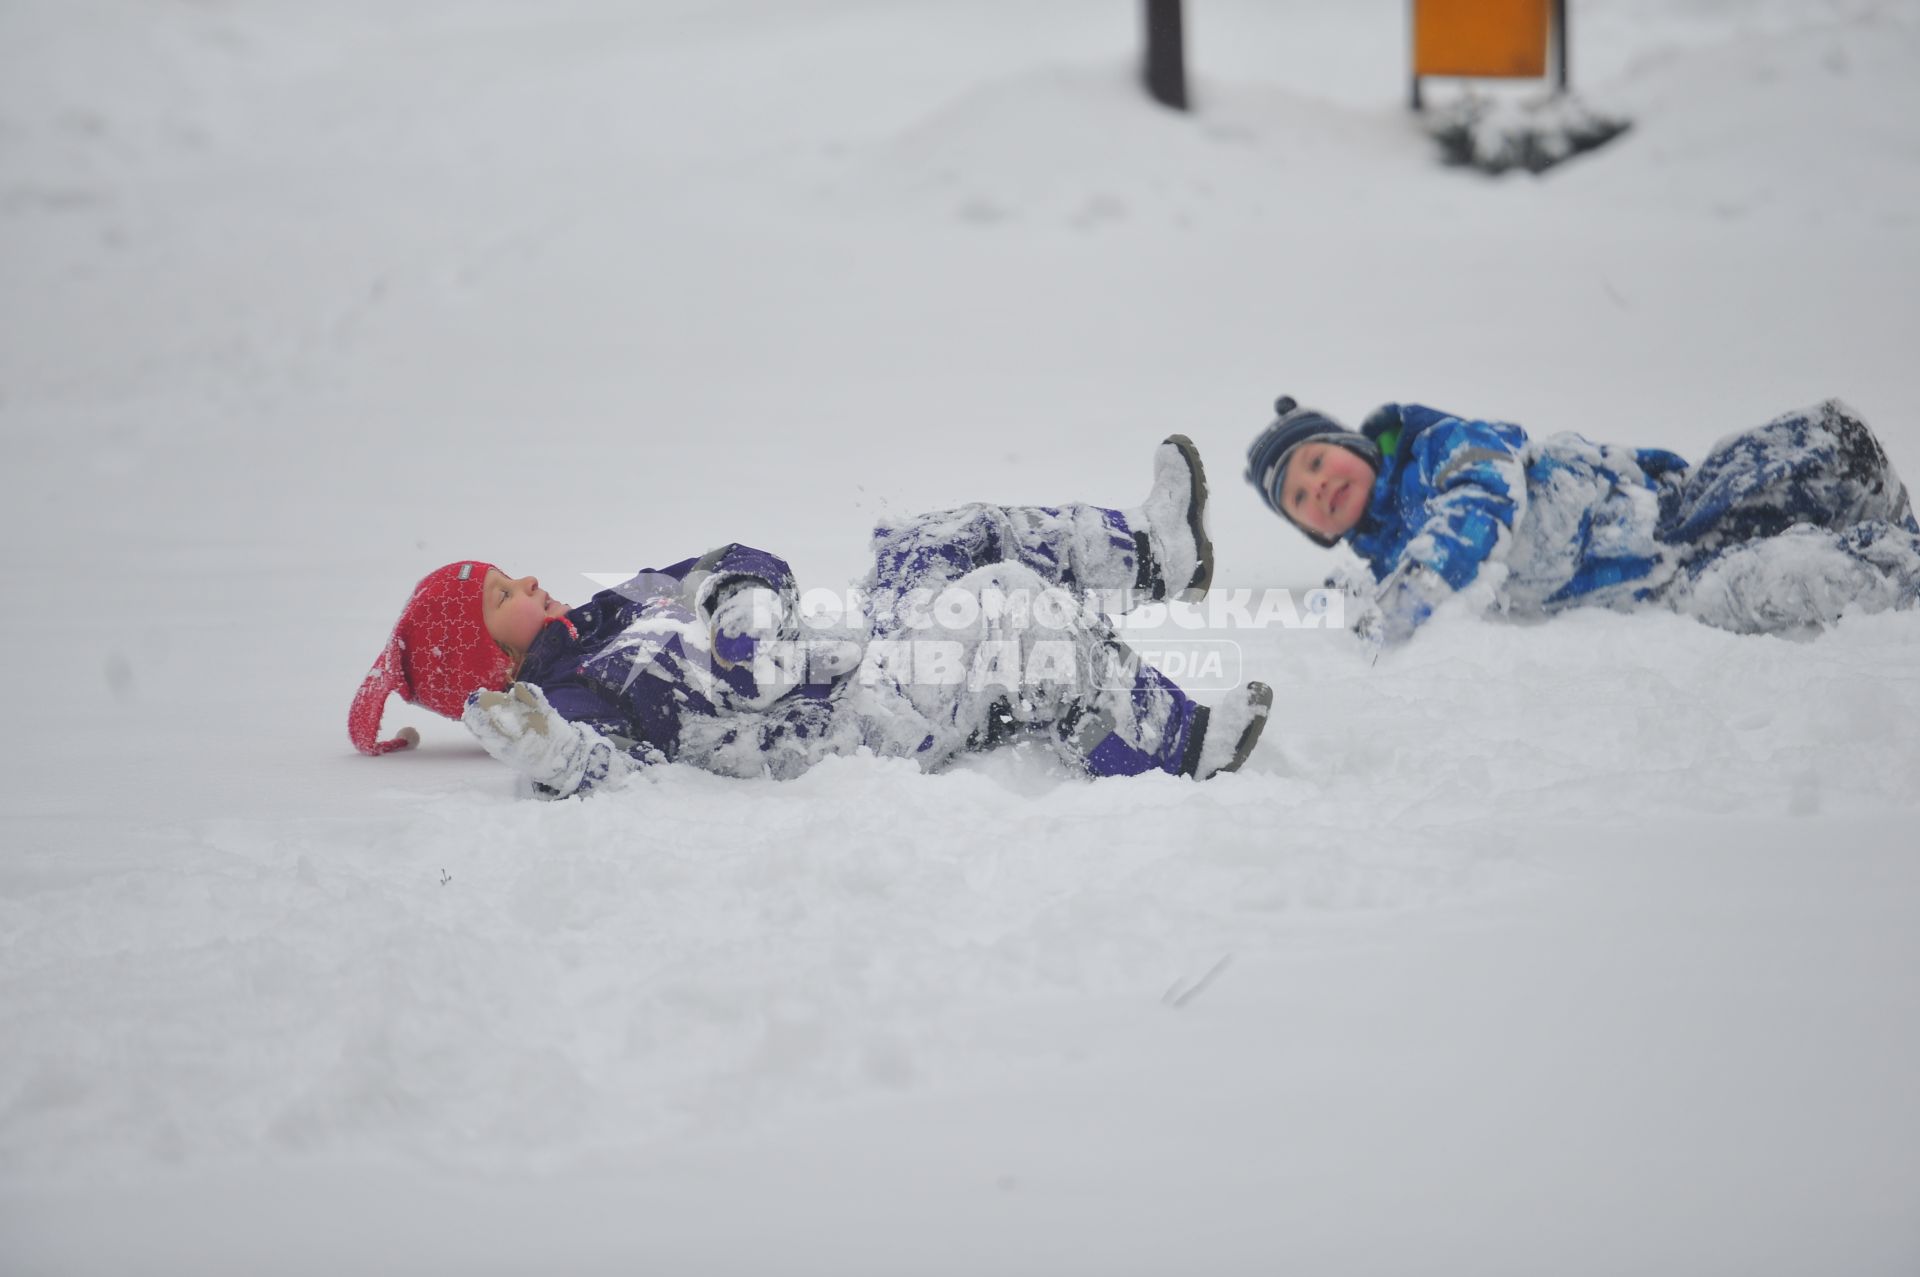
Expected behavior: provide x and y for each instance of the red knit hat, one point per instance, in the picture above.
(440, 654)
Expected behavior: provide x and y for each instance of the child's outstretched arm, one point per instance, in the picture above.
(1475, 487)
(522, 729)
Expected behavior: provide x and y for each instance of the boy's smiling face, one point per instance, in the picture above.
(1326, 487)
(516, 608)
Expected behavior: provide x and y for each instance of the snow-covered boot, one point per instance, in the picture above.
(519, 728)
(1136, 719)
(1176, 557)
(1231, 730)
(1801, 581)
(1126, 717)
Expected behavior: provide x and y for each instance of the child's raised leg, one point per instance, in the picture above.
(1159, 548)
(1822, 467)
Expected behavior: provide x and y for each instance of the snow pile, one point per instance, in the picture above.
(1532, 133)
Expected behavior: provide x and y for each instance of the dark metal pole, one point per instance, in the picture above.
(1560, 43)
(1413, 52)
(1166, 62)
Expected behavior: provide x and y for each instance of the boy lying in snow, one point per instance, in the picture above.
(1778, 528)
(970, 637)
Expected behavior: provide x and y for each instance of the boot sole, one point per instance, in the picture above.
(1202, 581)
(1261, 695)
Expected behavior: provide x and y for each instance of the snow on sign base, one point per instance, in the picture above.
(1498, 38)
(1533, 134)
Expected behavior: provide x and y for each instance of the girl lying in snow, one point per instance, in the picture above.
(1779, 528)
(970, 637)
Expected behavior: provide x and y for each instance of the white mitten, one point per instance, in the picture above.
(519, 728)
(1368, 624)
(1363, 615)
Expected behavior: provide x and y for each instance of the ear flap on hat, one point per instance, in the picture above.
(388, 675)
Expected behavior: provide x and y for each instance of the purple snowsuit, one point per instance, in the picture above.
(643, 666)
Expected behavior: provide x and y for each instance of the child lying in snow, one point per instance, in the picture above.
(707, 661)
(1778, 528)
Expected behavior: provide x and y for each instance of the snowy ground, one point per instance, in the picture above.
(1587, 947)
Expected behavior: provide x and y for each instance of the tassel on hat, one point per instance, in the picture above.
(439, 654)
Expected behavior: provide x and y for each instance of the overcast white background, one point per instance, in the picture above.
(1585, 947)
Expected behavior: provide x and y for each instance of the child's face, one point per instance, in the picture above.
(1326, 488)
(516, 608)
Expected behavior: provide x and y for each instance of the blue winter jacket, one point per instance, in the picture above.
(632, 661)
(1571, 520)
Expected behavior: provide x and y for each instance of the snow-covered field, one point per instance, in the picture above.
(1586, 947)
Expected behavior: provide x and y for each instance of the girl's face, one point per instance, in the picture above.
(516, 608)
(1326, 488)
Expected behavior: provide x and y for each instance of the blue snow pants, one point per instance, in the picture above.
(1784, 526)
